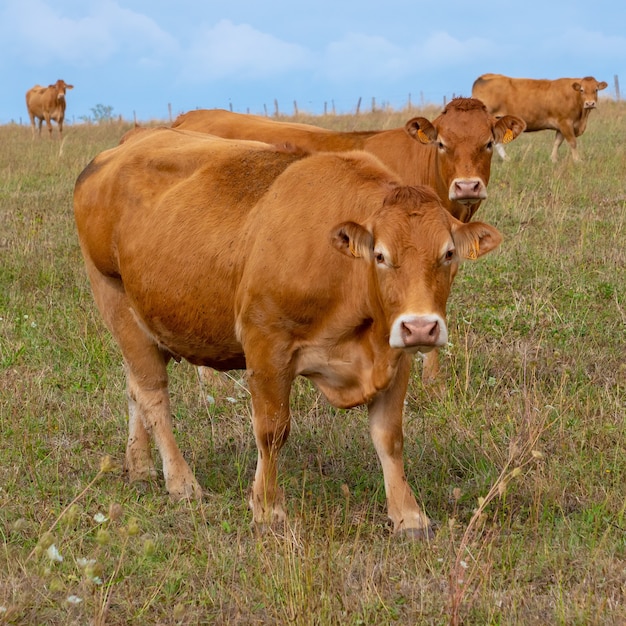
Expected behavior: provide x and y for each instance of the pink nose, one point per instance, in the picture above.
(420, 332)
(467, 189)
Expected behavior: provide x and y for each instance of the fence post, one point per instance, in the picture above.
(358, 105)
(616, 79)
(276, 111)
(295, 108)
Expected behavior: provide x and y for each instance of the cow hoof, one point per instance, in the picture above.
(188, 491)
(418, 534)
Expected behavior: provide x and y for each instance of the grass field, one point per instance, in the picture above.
(519, 458)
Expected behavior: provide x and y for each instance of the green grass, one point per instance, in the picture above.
(519, 457)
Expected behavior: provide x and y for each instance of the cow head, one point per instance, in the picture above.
(60, 87)
(588, 88)
(413, 247)
(463, 137)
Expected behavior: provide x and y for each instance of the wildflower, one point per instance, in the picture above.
(102, 537)
(107, 464)
(54, 554)
(148, 547)
(116, 511)
(99, 518)
(133, 526)
(94, 572)
(74, 599)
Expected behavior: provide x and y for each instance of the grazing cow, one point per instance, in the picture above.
(452, 154)
(237, 254)
(562, 105)
(47, 103)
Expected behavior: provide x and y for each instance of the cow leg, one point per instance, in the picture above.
(49, 126)
(558, 140)
(566, 132)
(430, 367)
(269, 389)
(148, 397)
(385, 419)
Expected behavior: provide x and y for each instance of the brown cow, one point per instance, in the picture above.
(47, 103)
(562, 105)
(452, 154)
(235, 254)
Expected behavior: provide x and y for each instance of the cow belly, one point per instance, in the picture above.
(348, 375)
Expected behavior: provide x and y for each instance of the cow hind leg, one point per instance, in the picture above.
(147, 389)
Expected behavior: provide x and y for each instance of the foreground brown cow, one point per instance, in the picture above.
(562, 105)
(452, 154)
(239, 255)
(47, 103)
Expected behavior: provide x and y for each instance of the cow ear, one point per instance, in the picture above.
(474, 239)
(69, 86)
(421, 129)
(577, 86)
(352, 239)
(508, 127)
(602, 85)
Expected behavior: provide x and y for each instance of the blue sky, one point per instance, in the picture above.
(139, 56)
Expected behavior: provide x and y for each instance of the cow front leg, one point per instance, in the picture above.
(385, 420)
(271, 423)
(558, 140)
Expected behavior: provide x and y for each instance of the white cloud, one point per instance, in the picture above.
(238, 51)
(41, 35)
(581, 43)
(356, 56)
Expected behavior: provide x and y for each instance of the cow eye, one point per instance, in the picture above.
(489, 145)
(380, 258)
(441, 145)
(449, 254)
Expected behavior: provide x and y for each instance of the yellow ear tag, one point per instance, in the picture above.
(352, 250)
(508, 136)
(422, 136)
(473, 253)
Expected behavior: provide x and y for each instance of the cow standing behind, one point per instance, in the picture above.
(235, 254)
(452, 154)
(47, 103)
(562, 105)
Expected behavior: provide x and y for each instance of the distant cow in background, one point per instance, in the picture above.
(47, 103)
(562, 105)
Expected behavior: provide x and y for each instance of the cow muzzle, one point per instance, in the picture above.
(418, 333)
(467, 190)
(590, 104)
